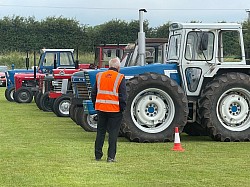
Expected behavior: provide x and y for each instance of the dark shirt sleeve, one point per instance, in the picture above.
(122, 95)
(93, 94)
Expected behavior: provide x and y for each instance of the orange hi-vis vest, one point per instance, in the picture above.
(107, 98)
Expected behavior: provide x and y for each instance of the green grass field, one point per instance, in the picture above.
(39, 149)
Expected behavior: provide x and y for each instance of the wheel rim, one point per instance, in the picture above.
(152, 110)
(92, 120)
(24, 96)
(233, 109)
(64, 107)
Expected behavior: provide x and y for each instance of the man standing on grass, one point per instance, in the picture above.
(109, 98)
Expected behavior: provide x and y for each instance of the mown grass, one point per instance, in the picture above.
(40, 149)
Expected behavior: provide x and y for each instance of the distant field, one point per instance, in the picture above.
(39, 149)
(19, 58)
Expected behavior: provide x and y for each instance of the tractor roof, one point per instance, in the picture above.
(56, 50)
(178, 26)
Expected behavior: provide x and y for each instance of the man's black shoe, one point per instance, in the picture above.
(97, 159)
(111, 160)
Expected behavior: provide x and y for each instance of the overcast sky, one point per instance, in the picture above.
(95, 12)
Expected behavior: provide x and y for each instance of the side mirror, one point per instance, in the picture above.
(204, 41)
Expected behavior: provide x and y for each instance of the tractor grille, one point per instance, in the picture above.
(81, 86)
(81, 91)
(57, 85)
(88, 84)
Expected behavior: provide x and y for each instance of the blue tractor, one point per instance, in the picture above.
(202, 84)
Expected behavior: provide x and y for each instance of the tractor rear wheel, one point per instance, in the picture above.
(61, 106)
(86, 121)
(23, 95)
(46, 103)
(37, 99)
(224, 107)
(156, 105)
(9, 94)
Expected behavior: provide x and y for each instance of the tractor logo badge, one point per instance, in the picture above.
(61, 73)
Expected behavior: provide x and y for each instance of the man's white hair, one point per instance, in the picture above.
(115, 63)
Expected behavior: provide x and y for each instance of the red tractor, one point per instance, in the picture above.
(26, 84)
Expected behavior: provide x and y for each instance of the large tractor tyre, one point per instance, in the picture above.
(9, 94)
(224, 107)
(23, 95)
(86, 121)
(46, 103)
(156, 105)
(195, 129)
(37, 99)
(72, 112)
(61, 106)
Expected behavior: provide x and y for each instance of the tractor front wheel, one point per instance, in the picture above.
(156, 105)
(86, 121)
(9, 94)
(37, 99)
(61, 106)
(72, 112)
(46, 103)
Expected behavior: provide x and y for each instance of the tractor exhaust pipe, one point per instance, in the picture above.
(141, 39)
(34, 65)
(77, 59)
(27, 61)
(55, 66)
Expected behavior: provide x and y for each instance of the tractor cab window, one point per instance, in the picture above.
(195, 47)
(66, 59)
(154, 54)
(49, 59)
(103, 55)
(229, 46)
(111, 53)
(174, 47)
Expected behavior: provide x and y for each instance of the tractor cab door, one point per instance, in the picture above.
(194, 52)
(196, 57)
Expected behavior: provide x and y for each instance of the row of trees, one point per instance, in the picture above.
(22, 34)
(25, 34)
